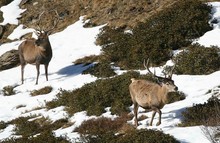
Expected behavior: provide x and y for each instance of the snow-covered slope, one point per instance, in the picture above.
(76, 42)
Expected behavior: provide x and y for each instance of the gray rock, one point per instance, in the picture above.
(1, 31)
(9, 60)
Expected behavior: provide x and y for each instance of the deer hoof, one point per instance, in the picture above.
(158, 123)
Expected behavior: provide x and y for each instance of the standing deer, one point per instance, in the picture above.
(150, 95)
(36, 51)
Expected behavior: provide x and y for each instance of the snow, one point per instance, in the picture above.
(73, 43)
(11, 12)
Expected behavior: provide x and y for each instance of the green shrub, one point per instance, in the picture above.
(87, 60)
(105, 130)
(172, 28)
(44, 90)
(45, 137)
(197, 60)
(102, 125)
(27, 127)
(103, 70)
(134, 136)
(36, 130)
(3, 125)
(175, 96)
(202, 114)
(5, 2)
(8, 90)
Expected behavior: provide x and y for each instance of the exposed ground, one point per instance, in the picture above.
(124, 13)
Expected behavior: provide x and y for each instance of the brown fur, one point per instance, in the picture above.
(36, 52)
(150, 95)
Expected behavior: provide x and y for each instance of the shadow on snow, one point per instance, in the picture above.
(72, 70)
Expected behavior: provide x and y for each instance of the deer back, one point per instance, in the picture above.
(147, 93)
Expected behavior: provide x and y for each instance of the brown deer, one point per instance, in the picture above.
(36, 51)
(151, 95)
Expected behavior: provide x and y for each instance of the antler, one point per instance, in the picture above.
(171, 72)
(38, 23)
(147, 67)
(54, 22)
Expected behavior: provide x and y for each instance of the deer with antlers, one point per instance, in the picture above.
(36, 51)
(151, 95)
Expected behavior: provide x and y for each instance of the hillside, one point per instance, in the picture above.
(114, 13)
(86, 98)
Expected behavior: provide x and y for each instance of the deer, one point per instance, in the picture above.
(37, 51)
(151, 95)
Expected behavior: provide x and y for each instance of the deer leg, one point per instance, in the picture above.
(38, 72)
(46, 71)
(135, 114)
(22, 73)
(155, 109)
(152, 118)
(159, 112)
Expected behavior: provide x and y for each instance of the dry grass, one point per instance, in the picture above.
(116, 13)
(44, 90)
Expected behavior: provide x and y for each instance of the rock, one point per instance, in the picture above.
(9, 60)
(1, 31)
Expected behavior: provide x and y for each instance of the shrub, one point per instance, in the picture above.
(175, 96)
(103, 70)
(134, 136)
(5, 2)
(202, 114)
(172, 28)
(29, 128)
(47, 137)
(197, 60)
(36, 130)
(102, 125)
(8, 90)
(3, 125)
(87, 60)
(118, 131)
(44, 90)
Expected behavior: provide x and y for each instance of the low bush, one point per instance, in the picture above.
(45, 137)
(175, 96)
(197, 60)
(29, 127)
(5, 2)
(202, 114)
(134, 136)
(102, 125)
(87, 60)
(44, 90)
(8, 90)
(3, 125)
(118, 131)
(102, 70)
(170, 29)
